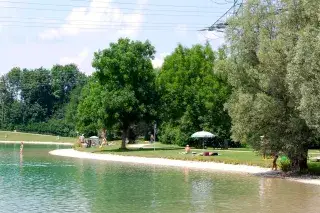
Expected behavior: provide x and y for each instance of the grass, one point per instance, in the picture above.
(231, 156)
(236, 156)
(20, 136)
(314, 168)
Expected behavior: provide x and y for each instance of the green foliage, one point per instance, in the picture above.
(122, 92)
(285, 164)
(173, 135)
(192, 96)
(55, 127)
(90, 113)
(36, 100)
(263, 42)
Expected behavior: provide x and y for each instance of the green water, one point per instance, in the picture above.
(39, 182)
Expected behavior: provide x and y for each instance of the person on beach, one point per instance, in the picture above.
(187, 149)
(104, 142)
(151, 138)
(274, 163)
(81, 138)
(21, 147)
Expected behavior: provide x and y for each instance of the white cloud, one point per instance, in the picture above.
(158, 61)
(100, 15)
(78, 60)
(130, 29)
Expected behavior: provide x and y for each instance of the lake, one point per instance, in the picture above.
(39, 182)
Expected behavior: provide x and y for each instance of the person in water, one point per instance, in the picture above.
(21, 147)
(274, 163)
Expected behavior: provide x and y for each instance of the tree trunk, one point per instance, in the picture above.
(124, 137)
(103, 133)
(300, 161)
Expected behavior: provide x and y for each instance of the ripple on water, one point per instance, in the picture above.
(38, 182)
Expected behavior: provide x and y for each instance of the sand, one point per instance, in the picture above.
(208, 166)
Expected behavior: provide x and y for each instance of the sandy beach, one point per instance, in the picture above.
(254, 170)
(37, 142)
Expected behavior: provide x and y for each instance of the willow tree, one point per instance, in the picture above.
(263, 41)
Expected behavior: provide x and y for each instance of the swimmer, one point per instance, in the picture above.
(21, 147)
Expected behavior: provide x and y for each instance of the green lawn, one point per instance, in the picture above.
(20, 136)
(231, 156)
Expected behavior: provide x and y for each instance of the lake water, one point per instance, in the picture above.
(39, 182)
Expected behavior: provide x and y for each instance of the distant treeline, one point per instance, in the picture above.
(38, 100)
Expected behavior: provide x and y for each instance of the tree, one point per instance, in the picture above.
(192, 95)
(64, 80)
(262, 41)
(90, 110)
(127, 84)
(36, 100)
(36, 94)
(303, 75)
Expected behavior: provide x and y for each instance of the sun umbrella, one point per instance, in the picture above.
(202, 134)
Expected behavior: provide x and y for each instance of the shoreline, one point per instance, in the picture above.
(37, 142)
(212, 166)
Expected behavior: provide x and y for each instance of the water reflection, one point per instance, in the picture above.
(21, 161)
(202, 191)
(54, 184)
(186, 174)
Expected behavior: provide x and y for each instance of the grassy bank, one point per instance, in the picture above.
(20, 136)
(230, 156)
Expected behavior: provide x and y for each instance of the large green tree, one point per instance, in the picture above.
(192, 95)
(125, 86)
(263, 41)
(304, 69)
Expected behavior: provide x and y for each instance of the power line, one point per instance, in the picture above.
(101, 24)
(122, 8)
(126, 3)
(221, 23)
(101, 12)
(63, 21)
(106, 28)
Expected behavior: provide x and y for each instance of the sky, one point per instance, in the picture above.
(36, 33)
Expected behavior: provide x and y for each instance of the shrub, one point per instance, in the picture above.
(173, 135)
(285, 164)
(168, 134)
(53, 126)
(77, 145)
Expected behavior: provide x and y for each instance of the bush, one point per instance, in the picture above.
(285, 164)
(168, 134)
(173, 135)
(52, 127)
(77, 145)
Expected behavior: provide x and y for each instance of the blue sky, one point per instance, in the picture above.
(36, 33)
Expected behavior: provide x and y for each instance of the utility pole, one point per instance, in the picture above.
(154, 135)
(222, 22)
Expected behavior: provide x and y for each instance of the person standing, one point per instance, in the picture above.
(81, 138)
(151, 138)
(274, 162)
(21, 147)
(187, 149)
